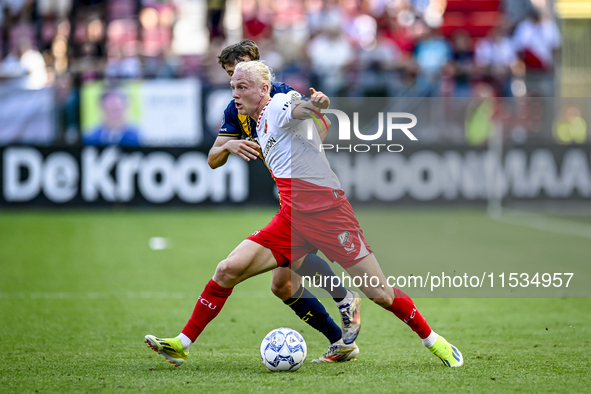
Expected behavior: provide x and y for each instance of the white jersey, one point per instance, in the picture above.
(285, 146)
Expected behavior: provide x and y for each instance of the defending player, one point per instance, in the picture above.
(314, 214)
(300, 300)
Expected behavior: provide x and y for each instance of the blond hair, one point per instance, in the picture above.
(256, 71)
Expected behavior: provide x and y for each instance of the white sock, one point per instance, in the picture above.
(347, 300)
(430, 340)
(187, 343)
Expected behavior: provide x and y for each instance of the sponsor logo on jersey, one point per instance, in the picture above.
(270, 144)
(346, 240)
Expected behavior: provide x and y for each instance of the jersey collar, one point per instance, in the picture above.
(263, 111)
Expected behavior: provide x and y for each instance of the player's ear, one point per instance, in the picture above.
(264, 89)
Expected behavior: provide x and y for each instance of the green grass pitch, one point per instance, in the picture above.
(79, 290)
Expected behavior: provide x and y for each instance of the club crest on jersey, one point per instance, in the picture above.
(346, 240)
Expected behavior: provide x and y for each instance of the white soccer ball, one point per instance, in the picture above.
(283, 350)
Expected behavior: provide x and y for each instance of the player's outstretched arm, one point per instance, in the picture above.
(323, 128)
(223, 146)
(304, 108)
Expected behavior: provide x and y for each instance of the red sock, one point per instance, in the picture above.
(404, 308)
(208, 306)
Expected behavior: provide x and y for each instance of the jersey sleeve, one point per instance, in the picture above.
(230, 126)
(282, 108)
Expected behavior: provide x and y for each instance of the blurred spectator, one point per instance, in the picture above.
(362, 31)
(210, 71)
(272, 57)
(321, 12)
(290, 28)
(11, 70)
(330, 55)
(33, 72)
(17, 9)
(54, 8)
(88, 66)
(432, 54)
(257, 21)
(123, 63)
(516, 10)
(379, 62)
(462, 63)
(536, 39)
(215, 18)
(114, 129)
(494, 57)
(402, 34)
(158, 67)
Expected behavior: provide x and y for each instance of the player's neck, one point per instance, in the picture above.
(259, 108)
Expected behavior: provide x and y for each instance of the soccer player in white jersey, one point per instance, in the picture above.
(237, 135)
(314, 214)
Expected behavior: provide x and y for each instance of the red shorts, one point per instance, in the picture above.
(335, 231)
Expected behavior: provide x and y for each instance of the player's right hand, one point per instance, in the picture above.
(248, 150)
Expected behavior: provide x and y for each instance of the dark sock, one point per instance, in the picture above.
(309, 309)
(317, 268)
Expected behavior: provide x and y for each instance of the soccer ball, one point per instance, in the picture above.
(283, 350)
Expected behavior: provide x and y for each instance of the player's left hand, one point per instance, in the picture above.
(319, 99)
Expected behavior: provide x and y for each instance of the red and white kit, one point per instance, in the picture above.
(314, 213)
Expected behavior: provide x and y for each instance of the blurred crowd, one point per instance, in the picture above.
(376, 48)
(345, 47)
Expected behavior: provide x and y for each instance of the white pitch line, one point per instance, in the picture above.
(544, 223)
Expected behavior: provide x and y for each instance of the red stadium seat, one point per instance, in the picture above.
(477, 17)
(472, 5)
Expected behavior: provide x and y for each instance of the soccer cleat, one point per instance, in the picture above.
(170, 348)
(339, 352)
(448, 353)
(351, 319)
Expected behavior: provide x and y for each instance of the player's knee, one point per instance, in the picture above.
(226, 273)
(384, 302)
(281, 288)
(380, 296)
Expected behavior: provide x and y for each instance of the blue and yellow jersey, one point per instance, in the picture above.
(237, 125)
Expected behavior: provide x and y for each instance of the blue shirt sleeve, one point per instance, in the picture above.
(230, 126)
(280, 87)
